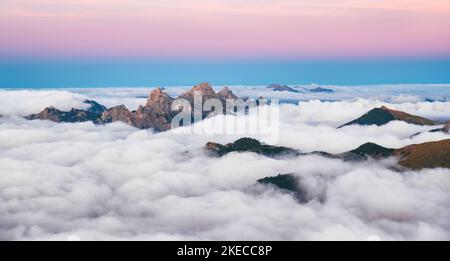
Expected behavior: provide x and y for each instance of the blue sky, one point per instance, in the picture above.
(22, 73)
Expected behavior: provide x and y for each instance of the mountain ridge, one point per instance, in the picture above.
(156, 113)
(434, 154)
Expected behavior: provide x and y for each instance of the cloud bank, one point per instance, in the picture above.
(116, 182)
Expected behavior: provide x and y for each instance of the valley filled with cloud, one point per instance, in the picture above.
(114, 181)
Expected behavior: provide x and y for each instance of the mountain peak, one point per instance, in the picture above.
(250, 145)
(367, 150)
(158, 97)
(204, 86)
(226, 93)
(384, 115)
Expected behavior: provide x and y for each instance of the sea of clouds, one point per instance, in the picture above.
(93, 182)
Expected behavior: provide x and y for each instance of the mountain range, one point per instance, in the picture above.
(156, 113)
(416, 156)
(297, 89)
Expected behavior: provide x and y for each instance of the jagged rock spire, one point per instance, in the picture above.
(226, 93)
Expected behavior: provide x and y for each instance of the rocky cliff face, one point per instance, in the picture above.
(155, 114)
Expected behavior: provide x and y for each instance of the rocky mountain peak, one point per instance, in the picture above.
(159, 98)
(226, 93)
(204, 86)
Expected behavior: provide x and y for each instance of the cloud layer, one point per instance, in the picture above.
(117, 182)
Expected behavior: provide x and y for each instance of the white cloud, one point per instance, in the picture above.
(117, 182)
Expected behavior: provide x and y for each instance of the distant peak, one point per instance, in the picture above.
(202, 86)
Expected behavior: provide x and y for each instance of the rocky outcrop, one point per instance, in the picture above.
(250, 145)
(156, 114)
(384, 115)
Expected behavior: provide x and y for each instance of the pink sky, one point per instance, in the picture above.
(225, 28)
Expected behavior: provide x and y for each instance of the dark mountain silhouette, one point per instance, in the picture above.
(384, 115)
(288, 183)
(366, 151)
(249, 145)
(281, 88)
(321, 90)
(416, 156)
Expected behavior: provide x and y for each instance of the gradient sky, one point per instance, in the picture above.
(225, 28)
(222, 30)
